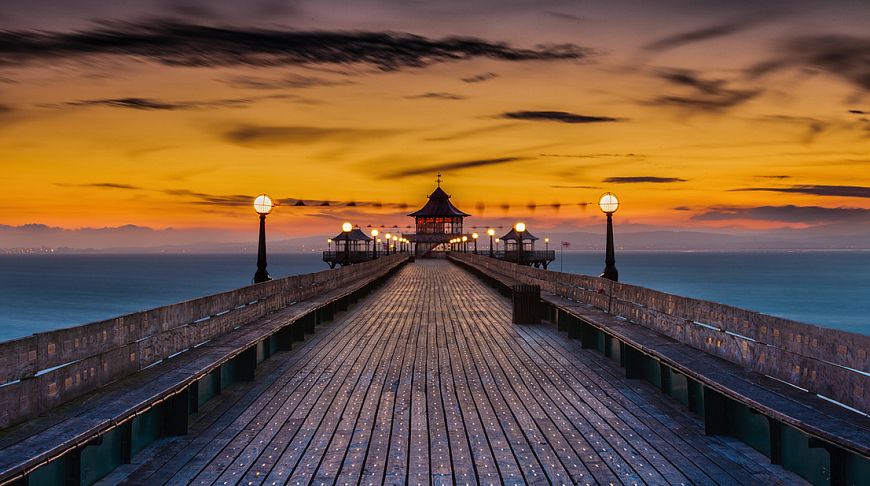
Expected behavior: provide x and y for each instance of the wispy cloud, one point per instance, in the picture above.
(293, 81)
(184, 44)
(843, 56)
(708, 32)
(815, 190)
(590, 156)
(642, 179)
(257, 135)
(102, 185)
(707, 95)
(479, 78)
(559, 186)
(436, 96)
(452, 166)
(785, 214)
(557, 116)
(150, 104)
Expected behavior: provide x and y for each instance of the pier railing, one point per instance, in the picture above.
(46, 369)
(832, 363)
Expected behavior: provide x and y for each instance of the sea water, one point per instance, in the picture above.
(40, 292)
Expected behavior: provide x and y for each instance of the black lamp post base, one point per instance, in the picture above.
(261, 277)
(610, 274)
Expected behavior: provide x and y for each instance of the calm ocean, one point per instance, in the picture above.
(42, 292)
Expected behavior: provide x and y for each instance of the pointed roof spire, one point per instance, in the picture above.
(438, 179)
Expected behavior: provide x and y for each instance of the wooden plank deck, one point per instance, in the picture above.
(426, 381)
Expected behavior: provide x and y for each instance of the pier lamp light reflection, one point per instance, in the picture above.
(263, 206)
(608, 204)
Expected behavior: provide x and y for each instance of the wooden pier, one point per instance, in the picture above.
(421, 380)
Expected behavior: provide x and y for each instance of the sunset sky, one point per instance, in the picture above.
(721, 116)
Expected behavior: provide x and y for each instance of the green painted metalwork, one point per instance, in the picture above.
(146, 429)
(675, 384)
(101, 458)
(50, 474)
(795, 454)
(856, 470)
(696, 396)
(209, 386)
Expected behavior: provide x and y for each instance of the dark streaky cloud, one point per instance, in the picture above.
(479, 78)
(465, 164)
(815, 190)
(256, 135)
(642, 179)
(148, 104)
(847, 57)
(701, 34)
(288, 82)
(557, 116)
(184, 44)
(436, 96)
(710, 95)
(102, 185)
(786, 214)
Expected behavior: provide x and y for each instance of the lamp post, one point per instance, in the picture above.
(263, 206)
(491, 233)
(345, 229)
(387, 238)
(547, 244)
(395, 243)
(608, 204)
(375, 240)
(329, 244)
(520, 228)
(474, 237)
(464, 244)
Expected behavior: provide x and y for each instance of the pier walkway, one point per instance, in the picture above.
(427, 381)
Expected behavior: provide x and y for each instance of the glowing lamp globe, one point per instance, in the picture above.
(464, 238)
(520, 227)
(395, 238)
(387, 236)
(346, 227)
(546, 240)
(263, 204)
(474, 235)
(608, 203)
(490, 232)
(375, 233)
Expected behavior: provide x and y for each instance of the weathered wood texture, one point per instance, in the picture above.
(829, 362)
(46, 369)
(426, 381)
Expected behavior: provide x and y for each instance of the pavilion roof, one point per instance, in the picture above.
(512, 235)
(439, 205)
(353, 235)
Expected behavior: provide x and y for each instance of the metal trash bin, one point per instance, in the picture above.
(527, 301)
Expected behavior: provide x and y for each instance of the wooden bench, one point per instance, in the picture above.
(732, 399)
(165, 393)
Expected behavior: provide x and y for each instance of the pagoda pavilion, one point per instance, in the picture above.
(350, 247)
(436, 223)
(520, 248)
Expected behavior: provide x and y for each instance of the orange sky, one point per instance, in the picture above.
(678, 125)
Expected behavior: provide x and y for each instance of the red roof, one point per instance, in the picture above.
(439, 205)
